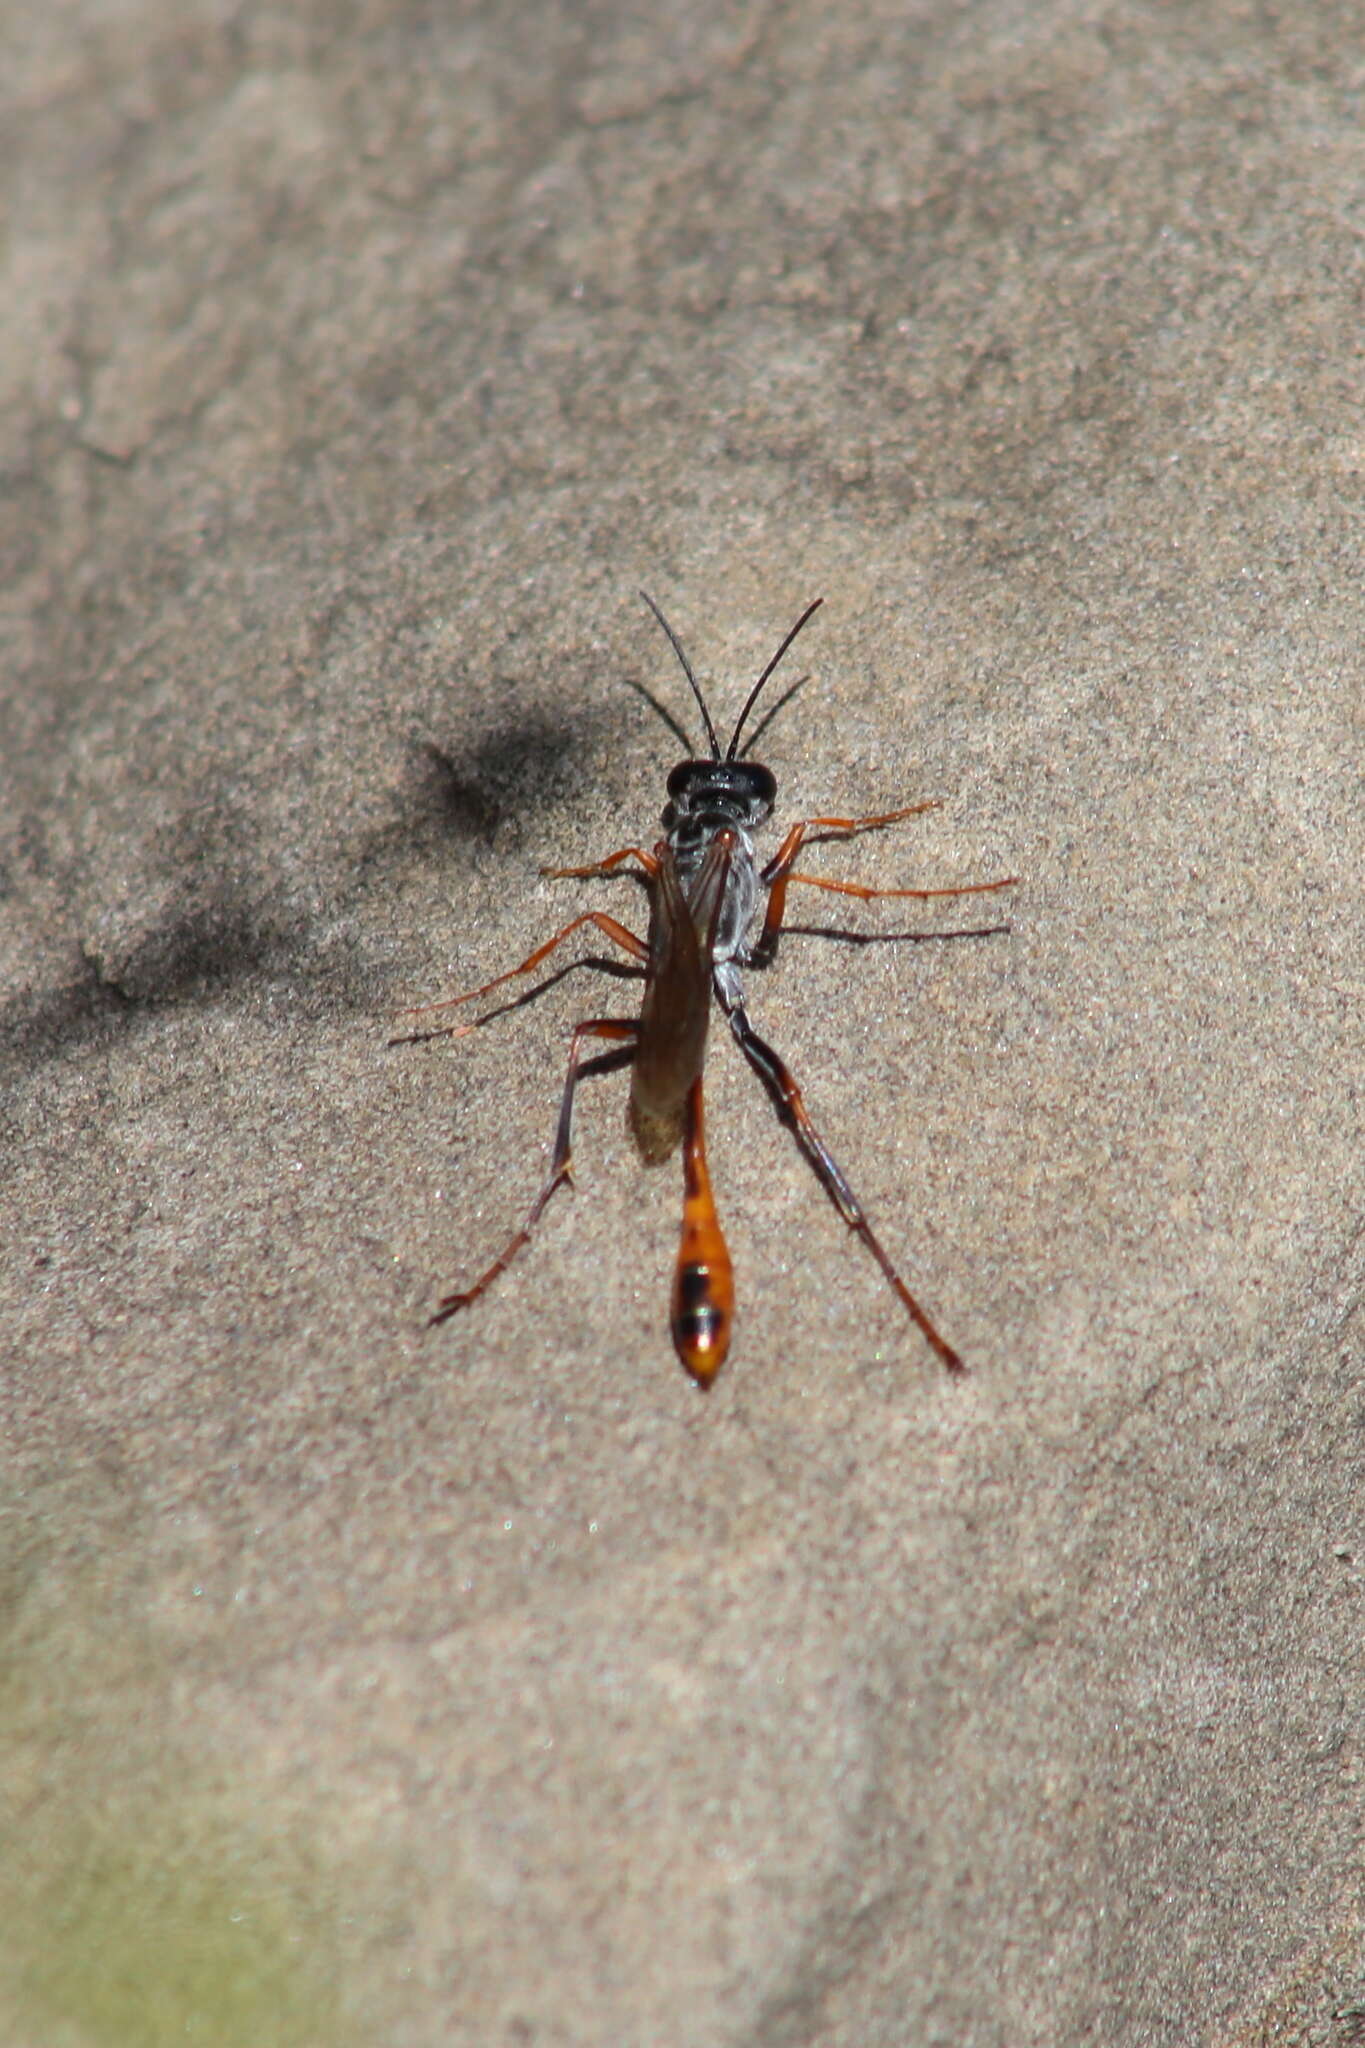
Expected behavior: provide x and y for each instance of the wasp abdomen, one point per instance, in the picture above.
(703, 1306)
(703, 1301)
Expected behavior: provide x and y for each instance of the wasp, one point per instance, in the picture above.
(704, 886)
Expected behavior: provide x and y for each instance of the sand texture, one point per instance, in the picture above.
(491, 1686)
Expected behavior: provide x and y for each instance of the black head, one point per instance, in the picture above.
(730, 760)
(709, 795)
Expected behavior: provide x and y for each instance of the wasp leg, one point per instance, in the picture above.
(867, 895)
(648, 865)
(776, 1077)
(814, 831)
(817, 830)
(618, 969)
(703, 1307)
(849, 937)
(608, 926)
(625, 1031)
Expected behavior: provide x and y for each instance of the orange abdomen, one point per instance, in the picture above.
(703, 1305)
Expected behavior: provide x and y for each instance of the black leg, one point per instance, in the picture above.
(623, 1030)
(610, 927)
(777, 1078)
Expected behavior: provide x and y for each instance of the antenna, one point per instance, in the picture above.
(754, 693)
(676, 645)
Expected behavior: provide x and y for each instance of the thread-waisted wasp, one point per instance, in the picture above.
(703, 883)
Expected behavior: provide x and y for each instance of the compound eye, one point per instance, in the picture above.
(756, 787)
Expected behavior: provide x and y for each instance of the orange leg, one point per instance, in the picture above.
(703, 1306)
(624, 1031)
(820, 829)
(780, 871)
(648, 864)
(860, 889)
(608, 926)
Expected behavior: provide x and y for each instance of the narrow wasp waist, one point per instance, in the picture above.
(704, 885)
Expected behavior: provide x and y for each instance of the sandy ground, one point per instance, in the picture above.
(491, 1685)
